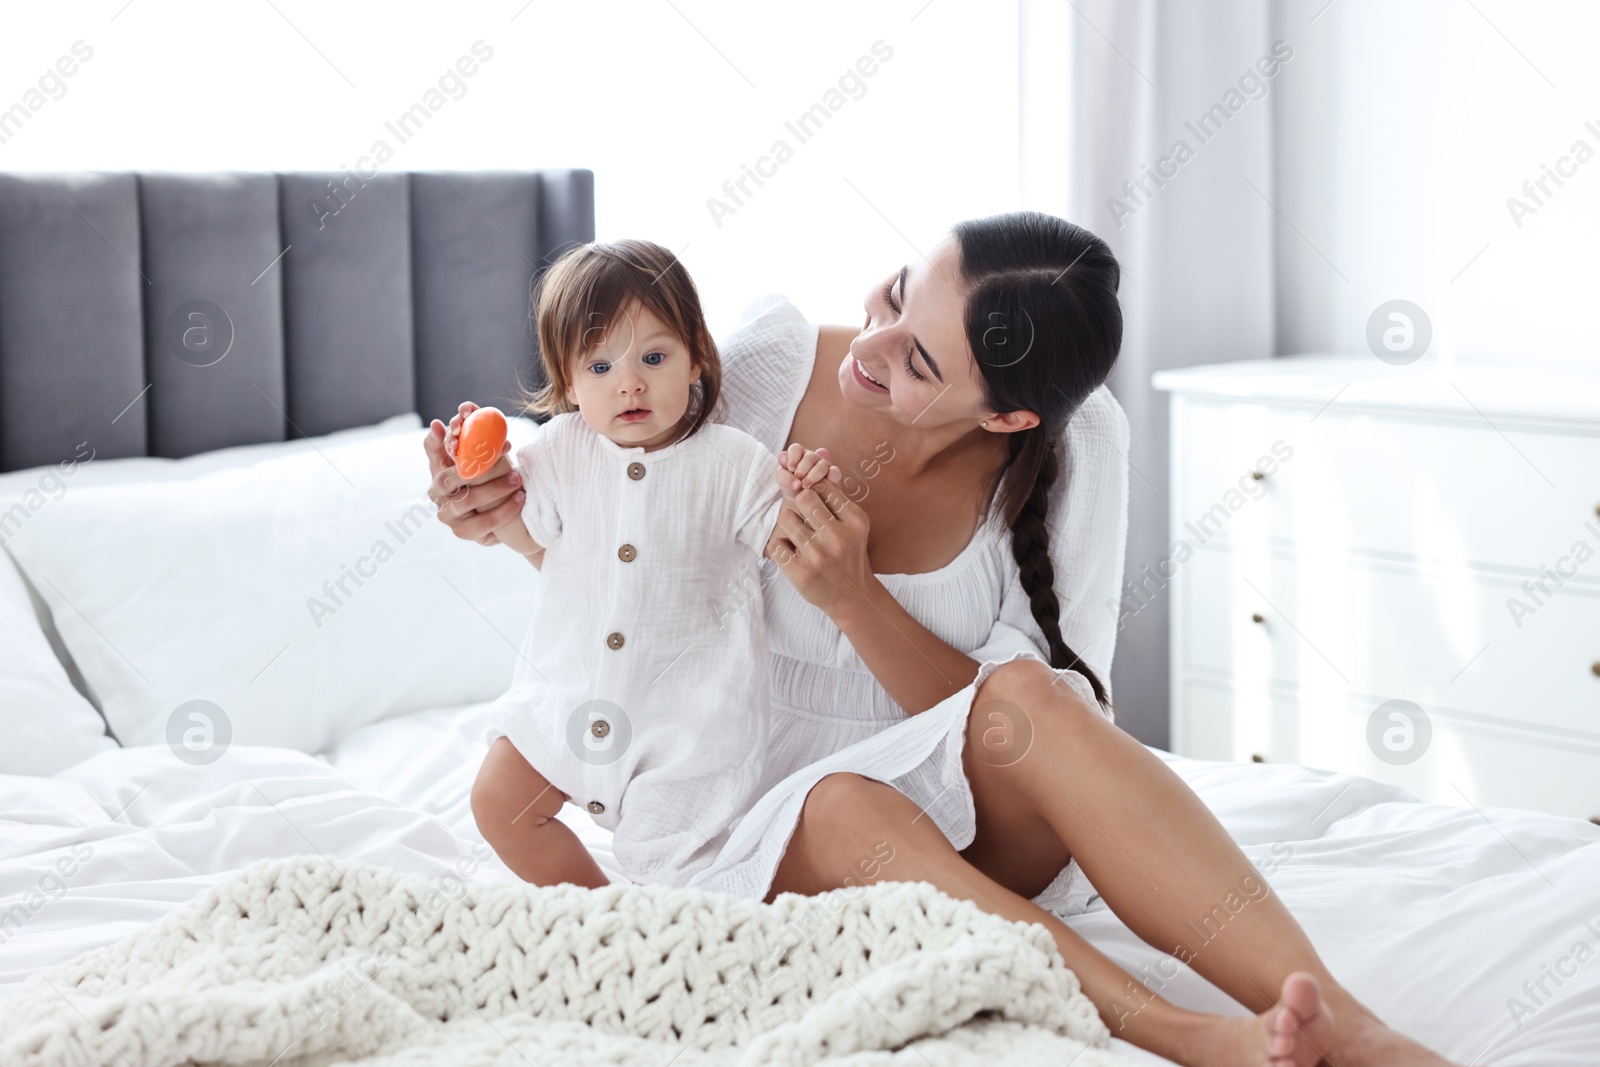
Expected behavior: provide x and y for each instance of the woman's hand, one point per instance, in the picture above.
(452, 432)
(473, 512)
(820, 544)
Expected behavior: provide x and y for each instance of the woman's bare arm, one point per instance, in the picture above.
(912, 663)
(820, 544)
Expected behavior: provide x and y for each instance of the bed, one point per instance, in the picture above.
(339, 727)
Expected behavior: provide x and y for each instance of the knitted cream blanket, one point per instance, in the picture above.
(299, 962)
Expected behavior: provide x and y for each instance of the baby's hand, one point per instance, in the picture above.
(802, 468)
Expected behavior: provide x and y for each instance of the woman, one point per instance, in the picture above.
(909, 638)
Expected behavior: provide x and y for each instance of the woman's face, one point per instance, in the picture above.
(911, 361)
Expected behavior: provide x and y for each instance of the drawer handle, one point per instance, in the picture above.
(1261, 476)
(1594, 668)
(1256, 757)
(1258, 617)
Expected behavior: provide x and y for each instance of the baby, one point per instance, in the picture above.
(637, 695)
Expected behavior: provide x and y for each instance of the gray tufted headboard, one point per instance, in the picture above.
(165, 314)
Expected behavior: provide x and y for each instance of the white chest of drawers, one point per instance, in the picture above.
(1346, 535)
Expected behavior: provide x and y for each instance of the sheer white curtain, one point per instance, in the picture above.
(1150, 122)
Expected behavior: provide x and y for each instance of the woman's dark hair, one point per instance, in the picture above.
(1044, 324)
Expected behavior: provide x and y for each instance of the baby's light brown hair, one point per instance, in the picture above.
(585, 293)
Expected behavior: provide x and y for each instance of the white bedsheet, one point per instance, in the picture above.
(1435, 916)
(427, 761)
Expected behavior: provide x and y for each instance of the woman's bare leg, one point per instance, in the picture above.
(515, 808)
(847, 818)
(1154, 852)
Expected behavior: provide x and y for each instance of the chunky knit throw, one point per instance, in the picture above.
(300, 962)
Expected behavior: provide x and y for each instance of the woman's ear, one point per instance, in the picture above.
(1011, 421)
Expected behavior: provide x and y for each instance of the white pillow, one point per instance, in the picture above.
(304, 594)
(37, 484)
(24, 492)
(46, 723)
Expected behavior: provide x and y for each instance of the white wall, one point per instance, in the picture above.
(1402, 129)
(664, 101)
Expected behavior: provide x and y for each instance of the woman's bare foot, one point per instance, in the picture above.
(1292, 1033)
(1301, 1030)
(1364, 1040)
(1349, 1035)
(1291, 1022)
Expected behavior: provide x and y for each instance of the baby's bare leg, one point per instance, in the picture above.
(515, 808)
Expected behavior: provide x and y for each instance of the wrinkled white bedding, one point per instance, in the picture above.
(1477, 932)
(352, 964)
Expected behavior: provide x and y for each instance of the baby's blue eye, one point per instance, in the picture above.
(599, 368)
(654, 359)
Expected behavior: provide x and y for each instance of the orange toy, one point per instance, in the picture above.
(483, 435)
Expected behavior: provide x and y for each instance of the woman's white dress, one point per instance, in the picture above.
(640, 689)
(828, 711)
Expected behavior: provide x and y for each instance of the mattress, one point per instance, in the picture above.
(1476, 931)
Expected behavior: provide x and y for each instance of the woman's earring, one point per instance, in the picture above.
(985, 422)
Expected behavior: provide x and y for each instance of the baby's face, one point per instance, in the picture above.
(633, 386)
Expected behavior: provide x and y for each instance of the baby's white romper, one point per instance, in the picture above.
(641, 688)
